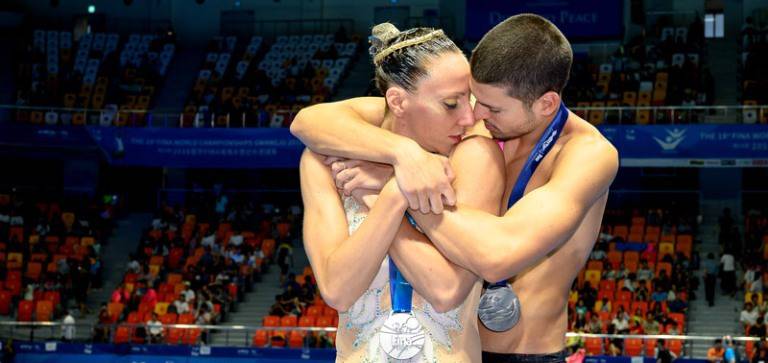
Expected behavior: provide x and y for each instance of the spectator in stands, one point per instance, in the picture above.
(758, 330)
(149, 296)
(284, 260)
(644, 272)
(599, 252)
(188, 294)
(728, 266)
(761, 356)
(81, 283)
(155, 329)
(95, 271)
(603, 306)
(664, 355)
(748, 316)
(615, 345)
(730, 355)
(277, 308)
(588, 294)
(581, 309)
(651, 325)
(595, 326)
(677, 305)
(659, 295)
(715, 353)
(133, 265)
(620, 322)
(68, 327)
(209, 240)
(762, 307)
(710, 278)
(236, 239)
(101, 331)
(673, 328)
(641, 293)
(182, 307)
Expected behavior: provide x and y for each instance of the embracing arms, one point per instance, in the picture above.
(479, 184)
(344, 264)
(351, 129)
(499, 247)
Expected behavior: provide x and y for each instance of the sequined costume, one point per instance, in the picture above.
(451, 336)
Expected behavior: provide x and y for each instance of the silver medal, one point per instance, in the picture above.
(499, 308)
(401, 337)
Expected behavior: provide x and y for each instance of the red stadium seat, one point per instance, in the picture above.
(650, 347)
(24, 312)
(289, 321)
(675, 346)
(5, 302)
(271, 321)
(594, 346)
(44, 311)
(307, 321)
(260, 338)
(633, 347)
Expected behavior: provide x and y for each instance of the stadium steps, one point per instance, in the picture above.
(358, 79)
(181, 76)
(724, 67)
(722, 318)
(114, 259)
(256, 304)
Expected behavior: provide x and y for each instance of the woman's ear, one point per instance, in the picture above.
(397, 100)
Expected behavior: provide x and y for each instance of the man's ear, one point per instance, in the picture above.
(396, 100)
(547, 105)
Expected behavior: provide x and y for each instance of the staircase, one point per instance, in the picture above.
(723, 317)
(182, 73)
(114, 258)
(724, 67)
(256, 304)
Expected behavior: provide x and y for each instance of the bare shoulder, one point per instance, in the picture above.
(586, 164)
(478, 147)
(585, 141)
(371, 109)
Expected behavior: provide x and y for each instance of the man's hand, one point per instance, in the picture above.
(425, 180)
(357, 174)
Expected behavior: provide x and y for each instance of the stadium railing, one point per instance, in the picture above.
(739, 114)
(242, 336)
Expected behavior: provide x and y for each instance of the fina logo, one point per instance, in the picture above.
(673, 139)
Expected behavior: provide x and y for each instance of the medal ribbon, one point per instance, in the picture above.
(543, 146)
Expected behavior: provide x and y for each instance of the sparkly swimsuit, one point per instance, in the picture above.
(451, 336)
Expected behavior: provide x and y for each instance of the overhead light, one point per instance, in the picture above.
(91, 9)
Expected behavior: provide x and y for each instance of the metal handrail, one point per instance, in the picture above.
(49, 324)
(662, 337)
(245, 338)
(176, 119)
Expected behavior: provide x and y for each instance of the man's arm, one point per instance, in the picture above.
(351, 129)
(344, 264)
(499, 247)
(479, 184)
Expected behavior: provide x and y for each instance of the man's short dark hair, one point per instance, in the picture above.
(526, 54)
